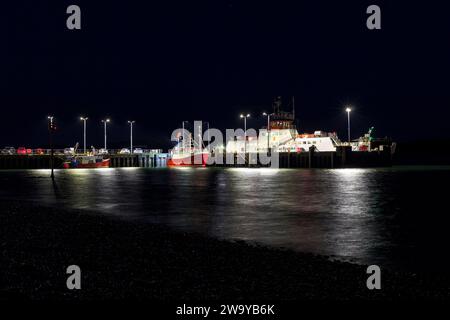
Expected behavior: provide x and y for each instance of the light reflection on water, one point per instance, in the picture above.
(366, 215)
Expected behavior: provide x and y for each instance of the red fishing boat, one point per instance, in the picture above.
(188, 152)
(87, 162)
(188, 158)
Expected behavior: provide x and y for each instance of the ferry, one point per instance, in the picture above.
(281, 135)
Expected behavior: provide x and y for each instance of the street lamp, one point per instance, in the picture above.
(51, 129)
(131, 135)
(207, 123)
(84, 119)
(104, 123)
(183, 145)
(245, 131)
(348, 110)
(268, 130)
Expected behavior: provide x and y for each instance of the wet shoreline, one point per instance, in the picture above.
(124, 259)
(370, 216)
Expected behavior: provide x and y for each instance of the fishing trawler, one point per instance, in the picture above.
(88, 161)
(188, 152)
(85, 162)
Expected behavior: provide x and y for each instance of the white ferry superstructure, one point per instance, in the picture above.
(282, 136)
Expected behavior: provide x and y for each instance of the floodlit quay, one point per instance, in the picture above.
(279, 145)
(43, 161)
(343, 157)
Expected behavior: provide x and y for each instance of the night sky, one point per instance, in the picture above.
(163, 62)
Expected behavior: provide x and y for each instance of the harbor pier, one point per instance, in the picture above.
(43, 161)
(343, 157)
(29, 162)
(142, 160)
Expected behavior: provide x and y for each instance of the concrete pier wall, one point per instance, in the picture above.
(138, 160)
(343, 157)
(117, 161)
(28, 162)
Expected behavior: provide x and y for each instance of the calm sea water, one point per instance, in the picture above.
(392, 216)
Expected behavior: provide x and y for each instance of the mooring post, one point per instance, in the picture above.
(310, 156)
(289, 159)
(332, 159)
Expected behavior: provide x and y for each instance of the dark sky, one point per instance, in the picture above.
(163, 62)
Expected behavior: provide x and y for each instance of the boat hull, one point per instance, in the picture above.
(191, 160)
(75, 164)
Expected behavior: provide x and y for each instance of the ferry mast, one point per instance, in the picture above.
(281, 119)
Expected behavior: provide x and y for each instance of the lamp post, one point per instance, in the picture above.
(51, 128)
(207, 123)
(84, 119)
(104, 123)
(348, 110)
(268, 130)
(197, 159)
(245, 131)
(183, 145)
(131, 135)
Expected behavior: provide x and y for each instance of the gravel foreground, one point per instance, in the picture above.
(129, 260)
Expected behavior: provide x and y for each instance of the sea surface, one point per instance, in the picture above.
(396, 217)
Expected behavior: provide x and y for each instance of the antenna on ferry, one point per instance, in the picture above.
(293, 107)
(277, 104)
